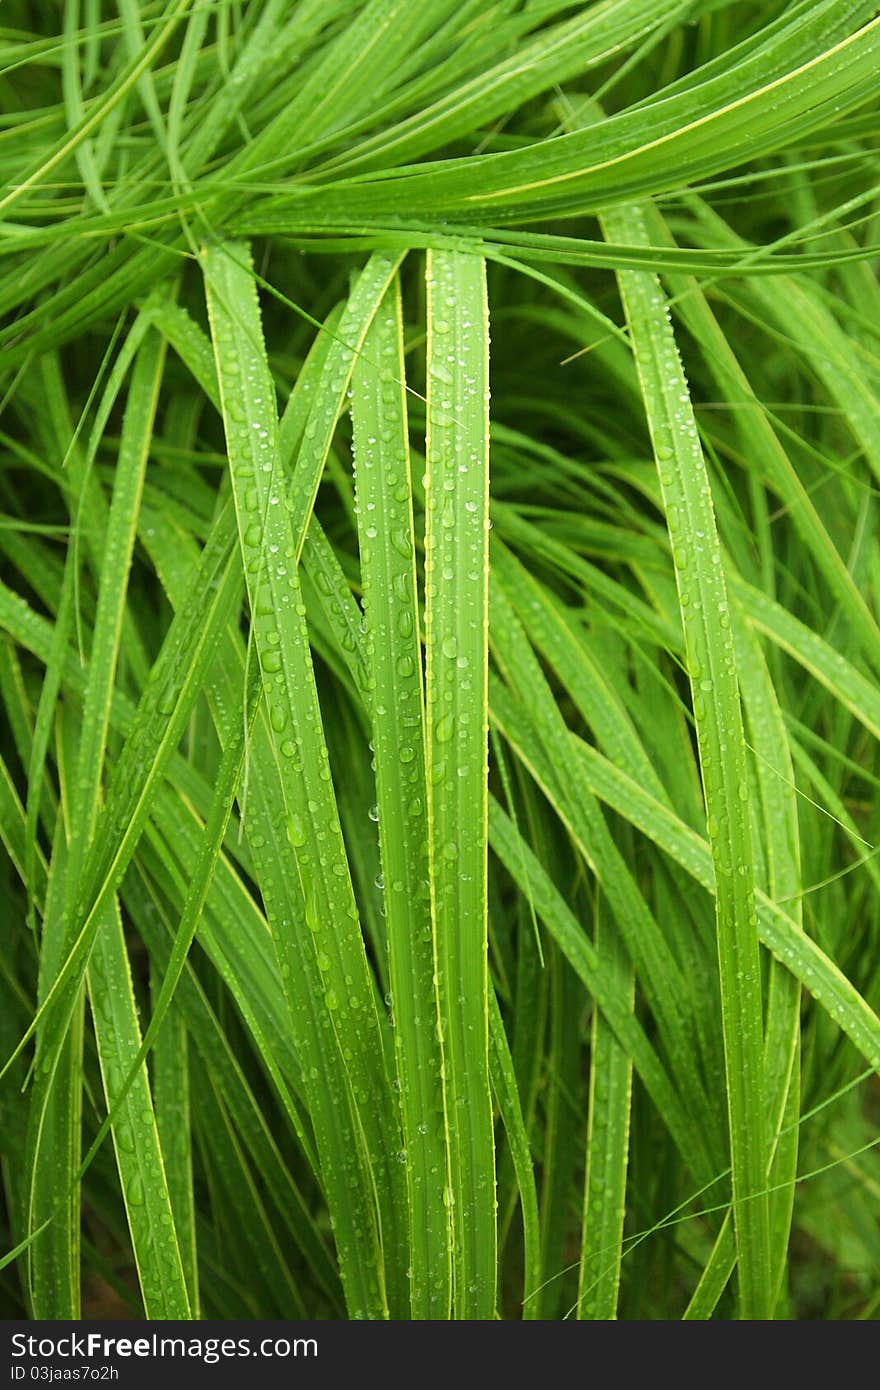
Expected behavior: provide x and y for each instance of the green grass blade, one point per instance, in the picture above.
(456, 620)
(250, 1226)
(228, 777)
(282, 646)
(139, 1156)
(715, 1276)
(568, 933)
(388, 577)
(152, 735)
(46, 1127)
(778, 820)
(255, 645)
(507, 1096)
(800, 955)
(607, 1148)
(543, 743)
(839, 677)
(171, 1102)
(717, 712)
(206, 1035)
(54, 1140)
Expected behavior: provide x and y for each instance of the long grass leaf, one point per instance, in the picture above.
(716, 703)
(388, 577)
(456, 620)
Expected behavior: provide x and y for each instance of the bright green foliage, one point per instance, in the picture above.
(438, 778)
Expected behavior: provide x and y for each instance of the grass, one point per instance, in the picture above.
(438, 595)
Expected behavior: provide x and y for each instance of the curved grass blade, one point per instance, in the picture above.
(523, 867)
(760, 440)
(839, 677)
(252, 1124)
(770, 100)
(800, 955)
(215, 828)
(153, 733)
(115, 93)
(717, 712)
(531, 720)
(550, 57)
(263, 1260)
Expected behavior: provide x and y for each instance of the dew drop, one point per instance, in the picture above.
(296, 832)
(445, 728)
